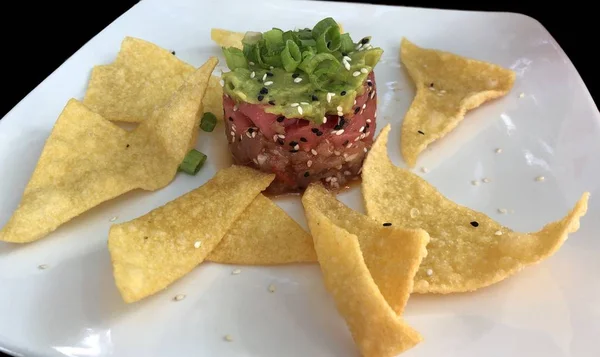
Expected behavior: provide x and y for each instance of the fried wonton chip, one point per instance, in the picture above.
(376, 329)
(88, 160)
(468, 250)
(264, 235)
(447, 86)
(153, 251)
(141, 79)
(392, 254)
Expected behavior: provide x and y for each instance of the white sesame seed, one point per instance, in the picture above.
(275, 138)
(424, 169)
(339, 108)
(356, 74)
(522, 95)
(368, 121)
(255, 161)
(429, 272)
(314, 152)
(365, 150)
(268, 83)
(340, 132)
(235, 108)
(346, 65)
(272, 288)
(498, 233)
(340, 114)
(232, 133)
(364, 106)
(264, 77)
(300, 110)
(334, 179)
(540, 178)
(362, 128)
(486, 180)
(254, 134)
(354, 102)
(348, 145)
(346, 58)
(179, 297)
(327, 179)
(304, 103)
(197, 244)
(297, 80)
(113, 219)
(42, 266)
(475, 183)
(281, 136)
(432, 89)
(362, 136)
(336, 153)
(498, 151)
(251, 63)
(236, 271)
(228, 338)
(359, 46)
(357, 138)
(367, 133)
(324, 120)
(372, 95)
(502, 210)
(222, 82)
(252, 74)
(249, 135)
(364, 70)
(295, 104)
(329, 95)
(347, 173)
(309, 163)
(296, 147)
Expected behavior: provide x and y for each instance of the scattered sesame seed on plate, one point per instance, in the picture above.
(324, 120)
(252, 74)
(339, 108)
(340, 132)
(486, 180)
(346, 58)
(228, 338)
(300, 110)
(475, 183)
(309, 163)
(113, 219)
(346, 65)
(264, 77)
(303, 103)
(179, 297)
(197, 244)
(43, 266)
(498, 151)
(272, 288)
(314, 152)
(502, 210)
(424, 169)
(540, 178)
(236, 271)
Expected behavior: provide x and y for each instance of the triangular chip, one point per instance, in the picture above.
(141, 79)
(376, 329)
(447, 86)
(468, 250)
(264, 235)
(88, 160)
(152, 251)
(392, 254)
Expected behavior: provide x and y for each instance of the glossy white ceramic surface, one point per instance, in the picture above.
(72, 308)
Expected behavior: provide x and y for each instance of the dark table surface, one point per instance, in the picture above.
(39, 38)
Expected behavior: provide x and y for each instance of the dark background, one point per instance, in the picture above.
(39, 38)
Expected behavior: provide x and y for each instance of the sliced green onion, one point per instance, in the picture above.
(329, 41)
(291, 36)
(308, 43)
(346, 44)
(208, 122)
(273, 41)
(235, 58)
(192, 162)
(322, 26)
(320, 67)
(251, 38)
(291, 56)
(304, 34)
(372, 56)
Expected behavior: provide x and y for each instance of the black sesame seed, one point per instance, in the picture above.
(314, 98)
(173, 52)
(337, 127)
(280, 119)
(293, 143)
(367, 126)
(250, 130)
(280, 141)
(319, 133)
(369, 83)
(293, 151)
(306, 174)
(345, 143)
(272, 102)
(342, 121)
(431, 84)
(260, 98)
(364, 41)
(420, 132)
(343, 92)
(356, 110)
(295, 75)
(230, 119)
(127, 146)
(303, 139)
(387, 224)
(264, 90)
(314, 130)
(146, 237)
(269, 74)
(475, 224)
(344, 54)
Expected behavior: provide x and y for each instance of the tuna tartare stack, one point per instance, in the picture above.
(301, 104)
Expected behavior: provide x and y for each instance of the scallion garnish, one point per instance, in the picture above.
(208, 122)
(192, 162)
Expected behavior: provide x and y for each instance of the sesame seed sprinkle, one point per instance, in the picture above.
(362, 129)
(197, 244)
(297, 80)
(346, 65)
(314, 152)
(424, 169)
(339, 108)
(368, 121)
(309, 163)
(329, 96)
(236, 271)
(179, 297)
(324, 120)
(304, 103)
(540, 178)
(346, 58)
(502, 210)
(347, 173)
(252, 74)
(498, 233)
(42, 266)
(485, 180)
(228, 338)
(113, 219)
(498, 151)
(336, 153)
(264, 77)
(364, 106)
(268, 83)
(300, 110)
(356, 74)
(429, 272)
(272, 288)
(365, 149)
(295, 104)
(281, 136)
(348, 145)
(340, 132)
(364, 70)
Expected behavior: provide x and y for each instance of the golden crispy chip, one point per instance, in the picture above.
(264, 235)
(153, 251)
(376, 329)
(447, 87)
(88, 160)
(226, 38)
(392, 254)
(468, 250)
(142, 78)
(213, 100)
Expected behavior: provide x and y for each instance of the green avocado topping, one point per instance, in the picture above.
(305, 73)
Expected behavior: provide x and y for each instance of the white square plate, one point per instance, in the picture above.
(552, 309)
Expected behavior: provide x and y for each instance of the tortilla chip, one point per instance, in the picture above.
(88, 160)
(376, 329)
(141, 79)
(468, 250)
(264, 235)
(392, 254)
(153, 251)
(447, 86)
